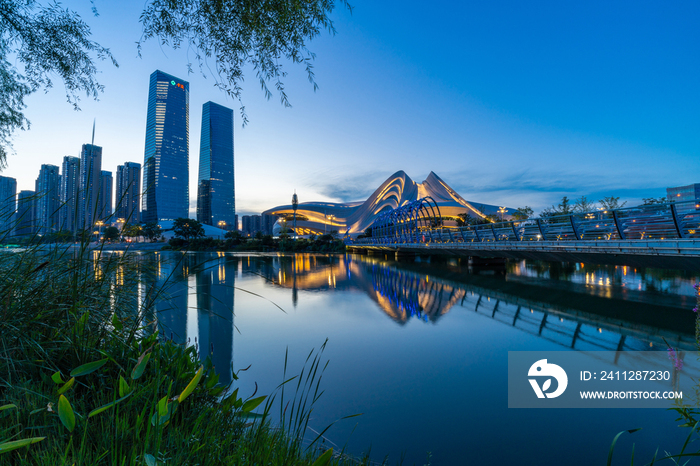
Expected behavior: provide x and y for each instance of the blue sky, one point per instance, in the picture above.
(511, 103)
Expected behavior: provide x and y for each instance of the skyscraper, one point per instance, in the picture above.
(25, 224)
(166, 158)
(70, 182)
(105, 199)
(48, 200)
(89, 190)
(8, 204)
(128, 192)
(216, 203)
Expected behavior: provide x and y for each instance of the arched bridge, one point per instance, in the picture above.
(663, 235)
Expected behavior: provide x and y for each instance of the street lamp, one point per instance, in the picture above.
(99, 225)
(120, 225)
(502, 211)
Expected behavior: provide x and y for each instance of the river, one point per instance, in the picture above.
(421, 348)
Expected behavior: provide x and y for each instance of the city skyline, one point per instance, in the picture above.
(519, 104)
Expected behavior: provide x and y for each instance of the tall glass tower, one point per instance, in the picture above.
(166, 159)
(70, 183)
(89, 189)
(216, 204)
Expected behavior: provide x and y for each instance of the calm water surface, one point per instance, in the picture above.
(421, 348)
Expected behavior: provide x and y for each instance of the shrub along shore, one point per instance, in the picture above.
(259, 243)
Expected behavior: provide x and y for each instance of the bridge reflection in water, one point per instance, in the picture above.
(404, 294)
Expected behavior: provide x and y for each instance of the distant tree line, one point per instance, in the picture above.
(582, 204)
(189, 235)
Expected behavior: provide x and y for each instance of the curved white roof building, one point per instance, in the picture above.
(354, 218)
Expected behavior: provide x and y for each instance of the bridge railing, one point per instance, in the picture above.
(680, 220)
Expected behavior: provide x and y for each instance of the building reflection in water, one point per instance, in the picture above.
(193, 297)
(404, 294)
(190, 299)
(215, 282)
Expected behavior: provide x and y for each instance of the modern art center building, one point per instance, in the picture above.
(398, 190)
(166, 158)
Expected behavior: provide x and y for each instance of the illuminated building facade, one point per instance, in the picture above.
(355, 217)
(166, 158)
(128, 194)
(216, 204)
(89, 189)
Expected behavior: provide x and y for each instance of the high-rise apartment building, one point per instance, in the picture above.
(267, 223)
(251, 225)
(128, 194)
(8, 204)
(25, 223)
(89, 190)
(48, 200)
(215, 187)
(68, 192)
(166, 158)
(105, 199)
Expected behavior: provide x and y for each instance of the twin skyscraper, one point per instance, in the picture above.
(166, 158)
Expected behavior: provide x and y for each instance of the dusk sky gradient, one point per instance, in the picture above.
(510, 103)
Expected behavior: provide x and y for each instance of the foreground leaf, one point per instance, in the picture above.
(252, 404)
(9, 446)
(97, 411)
(88, 368)
(57, 378)
(65, 413)
(164, 411)
(66, 386)
(140, 366)
(191, 386)
(123, 387)
(324, 459)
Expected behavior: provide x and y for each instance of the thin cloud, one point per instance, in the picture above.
(346, 188)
